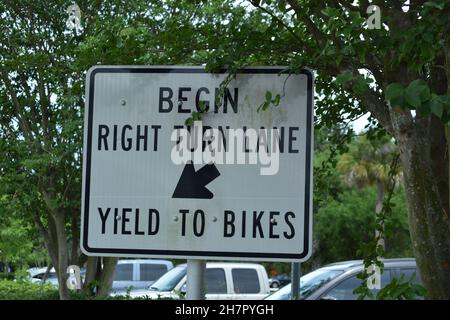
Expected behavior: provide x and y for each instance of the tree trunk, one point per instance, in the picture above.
(101, 274)
(107, 275)
(447, 137)
(91, 274)
(75, 251)
(427, 195)
(378, 210)
(47, 236)
(61, 267)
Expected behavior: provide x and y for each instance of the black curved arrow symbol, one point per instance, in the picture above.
(192, 184)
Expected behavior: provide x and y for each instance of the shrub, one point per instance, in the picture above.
(6, 276)
(22, 290)
(344, 224)
(25, 290)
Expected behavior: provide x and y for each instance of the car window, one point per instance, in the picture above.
(41, 275)
(170, 279)
(215, 280)
(151, 272)
(124, 272)
(281, 294)
(408, 273)
(245, 281)
(344, 290)
(309, 283)
(313, 281)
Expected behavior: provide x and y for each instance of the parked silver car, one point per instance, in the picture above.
(338, 280)
(224, 281)
(138, 273)
(36, 275)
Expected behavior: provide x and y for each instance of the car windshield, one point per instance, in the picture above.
(169, 280)
(308, 284)
(50, 275)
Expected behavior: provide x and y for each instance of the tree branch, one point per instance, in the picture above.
(44, 104)
(256, 4)
(309, 24)
(350, 7)
(23, 120)
(45, 235)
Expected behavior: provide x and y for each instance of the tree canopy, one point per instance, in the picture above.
(399, 74)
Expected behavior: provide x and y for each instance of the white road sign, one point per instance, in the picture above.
(237, 185)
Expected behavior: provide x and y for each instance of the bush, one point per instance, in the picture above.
(25, 290)
(6, 276)
(344, 224)
(21, 290)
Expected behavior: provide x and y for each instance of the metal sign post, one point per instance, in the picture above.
(195, 279)
(296, 274)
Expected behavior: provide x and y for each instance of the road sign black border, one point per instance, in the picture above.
(218, 254)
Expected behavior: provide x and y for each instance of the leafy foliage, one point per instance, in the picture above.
(23, 290)
(388, 72)
(13, 290)
(417, 96)
(344, 224)
(399, 289)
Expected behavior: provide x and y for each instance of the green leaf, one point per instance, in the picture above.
(437, 107)
(276, 101)
(412, 96)
(445, 100)
(422, 88)
(268, 96)
(202, 106)
(196, 116)
(263, 106)
(329, 12)
(361, 85)
(435, 4)
(344, 77)
(394, 92)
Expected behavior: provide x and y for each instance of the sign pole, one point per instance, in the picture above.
(295, 287)
(195, 279)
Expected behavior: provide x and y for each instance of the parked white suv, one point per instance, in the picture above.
(138, 274)
(224, 281)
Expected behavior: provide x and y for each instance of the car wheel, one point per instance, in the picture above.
(275, 285)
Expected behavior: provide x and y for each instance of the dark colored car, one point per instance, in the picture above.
(338, 280)
(279, 281)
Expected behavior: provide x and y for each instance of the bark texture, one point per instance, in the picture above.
(426, 187)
